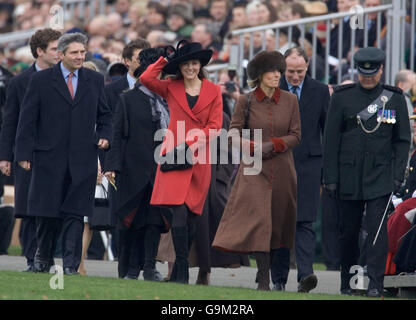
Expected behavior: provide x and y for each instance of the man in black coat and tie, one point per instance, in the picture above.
(113, 90)
(313, 98)
(64, 119)
(43, 45)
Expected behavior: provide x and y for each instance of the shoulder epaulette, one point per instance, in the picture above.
(392, 88)
(343, 87)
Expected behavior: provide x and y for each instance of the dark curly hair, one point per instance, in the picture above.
(42, 38)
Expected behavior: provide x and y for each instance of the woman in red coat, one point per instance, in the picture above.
(194, 103)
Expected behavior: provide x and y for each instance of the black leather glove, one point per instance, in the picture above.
(397, 186)
(331, 189)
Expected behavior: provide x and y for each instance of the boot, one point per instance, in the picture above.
(180, 272)
(263, 270)
(152, 240)
(203, 278)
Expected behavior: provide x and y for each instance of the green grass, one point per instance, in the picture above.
(31, 286)
(15, 251)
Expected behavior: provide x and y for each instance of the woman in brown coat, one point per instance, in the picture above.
(261, 212)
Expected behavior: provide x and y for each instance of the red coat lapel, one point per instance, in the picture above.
(207, 94)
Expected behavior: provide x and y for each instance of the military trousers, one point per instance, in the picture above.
(351, 214)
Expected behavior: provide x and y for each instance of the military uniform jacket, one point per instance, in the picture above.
(365, 165)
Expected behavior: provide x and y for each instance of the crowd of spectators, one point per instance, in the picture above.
(210, 22)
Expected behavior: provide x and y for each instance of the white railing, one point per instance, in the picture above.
(395, 38)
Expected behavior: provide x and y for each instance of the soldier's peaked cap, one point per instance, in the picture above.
(369, 60)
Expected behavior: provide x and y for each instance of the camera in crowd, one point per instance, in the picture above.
(230, 86)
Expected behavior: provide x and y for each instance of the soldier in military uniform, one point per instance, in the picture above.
(366, 146)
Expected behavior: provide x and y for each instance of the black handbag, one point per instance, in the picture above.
(102, 219)
(179, 152)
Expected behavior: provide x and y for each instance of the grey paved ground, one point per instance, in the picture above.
(328, 281)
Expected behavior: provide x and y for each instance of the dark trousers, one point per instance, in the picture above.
(351, 215)
(131, 252)
(280, 263)
(72, 230)
(27, 237)
(304, 248)
(330, 232)
(47, 234)
(305, 255)
(7, 221)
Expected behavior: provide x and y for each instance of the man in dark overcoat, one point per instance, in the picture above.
(366, 147)
(113, 90)
(43, 45)
(131, 162)
(313, 99)
(64, 119)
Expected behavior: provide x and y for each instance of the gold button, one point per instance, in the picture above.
(407, 190)
(411, 168)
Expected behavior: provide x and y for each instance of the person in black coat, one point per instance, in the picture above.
(63, 121)
(113, 90)
(43, 45)
(139, 114)
(313, 105)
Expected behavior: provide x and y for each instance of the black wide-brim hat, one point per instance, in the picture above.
(186, 52)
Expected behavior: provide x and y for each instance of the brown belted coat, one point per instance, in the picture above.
(261, 211)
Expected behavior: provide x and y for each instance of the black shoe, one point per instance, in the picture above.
(307, 283)
(129, 277)
(41, 267)
(152, 275)
(279, 287)
(347, 292)
(373, 293)
(158, 276)
(30, 268)
(70, 271)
